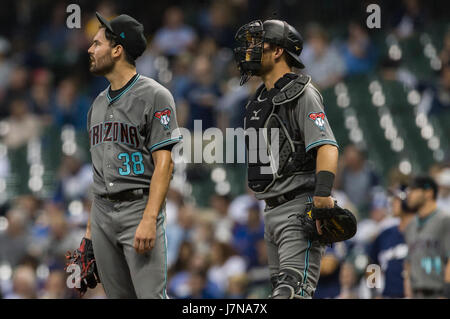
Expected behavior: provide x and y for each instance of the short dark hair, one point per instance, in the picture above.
(113, 42)
(290, 61)
(425, 182)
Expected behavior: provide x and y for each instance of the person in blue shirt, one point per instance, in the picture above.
(389, 248)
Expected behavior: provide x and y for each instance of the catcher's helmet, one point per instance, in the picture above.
(251, 38)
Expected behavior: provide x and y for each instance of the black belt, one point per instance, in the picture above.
(129, 195)
(284, 198)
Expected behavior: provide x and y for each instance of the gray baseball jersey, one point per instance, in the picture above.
(288, 247)
(428, 242)
(315, 130)
(125, 130)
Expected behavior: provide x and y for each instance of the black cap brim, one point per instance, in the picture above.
(104, 22)
(299, 64)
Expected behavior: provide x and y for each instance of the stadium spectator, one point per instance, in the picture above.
(217, 23)
(16, 89)
(379, 219)
(61, 237)
(223, 224)
(24, 284)
(389, 249)
(179, 232)
(321, 59)
(201, 288)
(23, 125)
(40, 93)
(348, 282)
(436, 97)
(55, 286)
(359, 53)
(53, 38)
(356, 178)
(246, 237)
(225, 263)
(201, 95)
(330, 269)
(174, 37)
(68, 103)
(75, 178)
(237, 287)
(15, 239)
(409, 19)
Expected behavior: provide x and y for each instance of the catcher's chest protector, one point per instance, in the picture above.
(268, 162)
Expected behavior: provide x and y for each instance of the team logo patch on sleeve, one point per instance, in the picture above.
(318, 118)
(163, 117)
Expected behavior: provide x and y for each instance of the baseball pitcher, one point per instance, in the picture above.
(130, 130)
(300, 215)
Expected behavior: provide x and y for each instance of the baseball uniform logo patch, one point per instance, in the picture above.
(163, 117)
(318, 118)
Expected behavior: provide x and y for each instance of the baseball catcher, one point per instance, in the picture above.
(300, 215)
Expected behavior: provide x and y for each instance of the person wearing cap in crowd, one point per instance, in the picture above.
(130, 128)
(427, 266)
(389, 248)
(299, 170)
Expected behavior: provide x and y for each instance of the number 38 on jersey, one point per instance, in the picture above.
(131, 163)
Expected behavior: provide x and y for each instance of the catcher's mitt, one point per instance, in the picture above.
(338, 224)
(83, 257)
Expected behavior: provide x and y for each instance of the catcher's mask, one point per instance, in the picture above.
(251, 37)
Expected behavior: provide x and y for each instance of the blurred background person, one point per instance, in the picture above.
(174, 37)
(389, 248)
(356, 178)
(427, 266)
(24, 284)
(358, 52)
(322, 60)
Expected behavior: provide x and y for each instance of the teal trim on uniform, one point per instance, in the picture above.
(166, 142)
(110, 100)
(305, 273)
(422, 221)
(320, 142)
(165, 261)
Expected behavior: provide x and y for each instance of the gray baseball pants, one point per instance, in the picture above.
(123, 272)
(287, 245)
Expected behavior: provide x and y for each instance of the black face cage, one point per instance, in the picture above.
(248, 53)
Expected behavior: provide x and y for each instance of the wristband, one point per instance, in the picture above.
(324, 184)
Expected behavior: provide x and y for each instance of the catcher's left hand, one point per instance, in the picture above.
(83, 257)
(337, 224)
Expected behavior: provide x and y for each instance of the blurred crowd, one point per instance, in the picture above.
(215, 250)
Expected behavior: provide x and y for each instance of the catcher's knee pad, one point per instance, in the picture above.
(289, 286)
